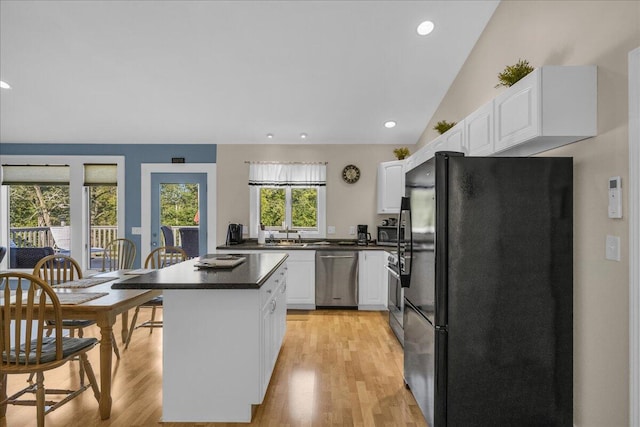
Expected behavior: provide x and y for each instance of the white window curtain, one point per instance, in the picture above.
(290, 174)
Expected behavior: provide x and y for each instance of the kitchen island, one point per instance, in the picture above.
(222, 333)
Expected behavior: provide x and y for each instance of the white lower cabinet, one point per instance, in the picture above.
(273, 325)
(301, 277)
(372, 280)
(301, 280)
(238, 343)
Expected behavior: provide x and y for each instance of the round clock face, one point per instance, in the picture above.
(351, 174)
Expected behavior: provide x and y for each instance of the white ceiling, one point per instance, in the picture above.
(229, 72)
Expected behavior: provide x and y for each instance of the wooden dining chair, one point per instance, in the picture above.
(119, 254)
(58, 269)
(25, 349)
(161, 257)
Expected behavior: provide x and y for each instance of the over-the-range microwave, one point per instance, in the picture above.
(388, 235)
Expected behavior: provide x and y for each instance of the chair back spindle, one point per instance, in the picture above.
(119, 255)
(30, 302)
(57, 269)
(165, 256)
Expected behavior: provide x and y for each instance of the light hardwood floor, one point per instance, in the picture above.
(336, 368)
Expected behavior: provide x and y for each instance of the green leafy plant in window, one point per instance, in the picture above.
(442, 126)
(512, 73)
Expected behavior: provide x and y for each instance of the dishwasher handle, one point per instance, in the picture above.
(337, 256)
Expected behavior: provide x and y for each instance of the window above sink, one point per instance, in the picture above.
(289, 199)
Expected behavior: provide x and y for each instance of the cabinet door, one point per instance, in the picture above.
(281, 313)
(372, 280)
(479, 131)
(438, 144)
(266, 348)
(301, 279)
(390, 186)
(454, 138)
(517, 112)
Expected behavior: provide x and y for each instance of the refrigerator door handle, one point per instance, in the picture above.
(405, 276)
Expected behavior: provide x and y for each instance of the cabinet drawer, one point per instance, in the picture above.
(268, 290)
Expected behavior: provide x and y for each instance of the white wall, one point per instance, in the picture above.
(575, 33)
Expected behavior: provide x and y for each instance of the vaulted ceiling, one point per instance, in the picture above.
(229, 72)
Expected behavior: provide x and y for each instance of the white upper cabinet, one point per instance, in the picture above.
(454, 139)
(390, 186)
(550, 107)
(420, 156)
(478, 131)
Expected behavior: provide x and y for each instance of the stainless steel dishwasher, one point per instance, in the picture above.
(336, 278)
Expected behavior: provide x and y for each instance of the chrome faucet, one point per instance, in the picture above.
(286, 231)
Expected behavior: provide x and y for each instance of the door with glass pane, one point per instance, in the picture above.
(178, 204)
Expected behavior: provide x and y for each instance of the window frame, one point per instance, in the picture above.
(78, 201)
(254, 207)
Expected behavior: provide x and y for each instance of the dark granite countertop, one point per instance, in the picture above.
(324, 245)
(250, 274)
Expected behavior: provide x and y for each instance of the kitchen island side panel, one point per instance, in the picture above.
(211, 343)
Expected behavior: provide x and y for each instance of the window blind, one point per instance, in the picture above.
(100, 174)
(35, 174)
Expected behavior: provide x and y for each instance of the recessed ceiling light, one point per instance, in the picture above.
(303, 135)
(390, 124)
(425, 28)
(4, 85)
(270, 135)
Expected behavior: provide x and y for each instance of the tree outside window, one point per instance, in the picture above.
(289, 207)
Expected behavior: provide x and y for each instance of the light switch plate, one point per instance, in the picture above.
(331, 229)
(352, 230)
(612, 251)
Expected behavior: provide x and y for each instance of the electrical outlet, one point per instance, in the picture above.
(331, 229)
(352, 230)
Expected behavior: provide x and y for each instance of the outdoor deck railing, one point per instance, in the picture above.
(100, 236)
(41, 236)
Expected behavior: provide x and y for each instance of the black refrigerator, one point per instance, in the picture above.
(487, 269)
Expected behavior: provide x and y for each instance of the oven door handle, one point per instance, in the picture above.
(393, 273)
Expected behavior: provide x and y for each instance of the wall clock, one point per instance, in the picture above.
(350, 174)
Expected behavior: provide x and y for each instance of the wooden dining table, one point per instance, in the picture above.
(104, 311)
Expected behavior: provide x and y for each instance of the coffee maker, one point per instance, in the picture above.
(234, 234)
(364, 237)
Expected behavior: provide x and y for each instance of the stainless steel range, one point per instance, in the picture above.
(396, 298)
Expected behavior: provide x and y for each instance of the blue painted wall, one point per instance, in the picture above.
(134, 154)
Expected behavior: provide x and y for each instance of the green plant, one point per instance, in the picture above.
(401, 153)
(442, 126)
(513, 73)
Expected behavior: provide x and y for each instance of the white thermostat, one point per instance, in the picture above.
(615, 198)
